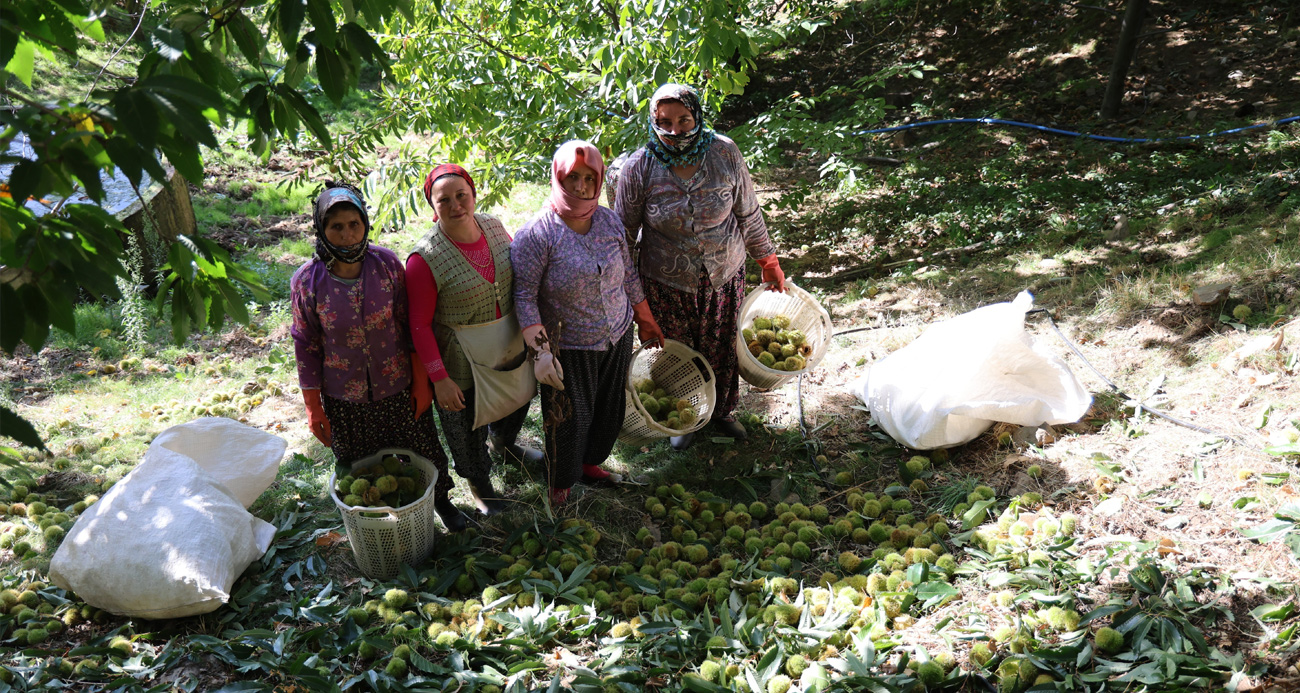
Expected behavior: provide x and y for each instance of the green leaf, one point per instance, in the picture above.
(289, 14)
(169, 42)
(247, 37)
(322, 19)
(12, 327)
(1290, 511)
(976, 515)
(139, 116)
(185, 89)
(189, 121)
(25, 179)
(1272, 613)
(931, 593)
(364, 44)
(37, 327)
(1285, 449)
(332, 74)
(308, 113)
(23, 61)
(1269, 531)
(14, 426)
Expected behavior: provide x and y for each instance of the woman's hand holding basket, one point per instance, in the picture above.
(647, 330)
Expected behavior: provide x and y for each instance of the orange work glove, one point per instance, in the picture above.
(772, 272)
(647, 330)
(421, 391)
(316, 419)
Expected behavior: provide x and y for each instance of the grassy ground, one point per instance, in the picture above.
(1162, 548)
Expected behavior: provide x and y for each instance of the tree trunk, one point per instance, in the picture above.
(1128, 39)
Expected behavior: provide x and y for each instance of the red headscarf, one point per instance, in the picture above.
(439, 172)
(569, 155)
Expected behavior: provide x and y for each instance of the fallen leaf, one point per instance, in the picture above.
(331, 539)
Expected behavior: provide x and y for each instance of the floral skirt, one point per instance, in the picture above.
(706, 322)
(361, 429)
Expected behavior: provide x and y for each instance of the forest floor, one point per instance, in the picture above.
(1113, 240)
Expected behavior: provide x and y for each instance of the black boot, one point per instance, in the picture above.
(731, 428)
(514, 452)
(452, 518)
(682, 442)
(489, 501)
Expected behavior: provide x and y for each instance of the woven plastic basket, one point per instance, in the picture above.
(683, 373)
(805, 314)
(384, 538)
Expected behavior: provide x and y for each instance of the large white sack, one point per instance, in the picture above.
(169, 539)
(242, 458)
(963, 374)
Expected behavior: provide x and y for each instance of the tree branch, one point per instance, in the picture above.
(144, 8)
(534, 62)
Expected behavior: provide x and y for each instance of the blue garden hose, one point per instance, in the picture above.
(1071, 133)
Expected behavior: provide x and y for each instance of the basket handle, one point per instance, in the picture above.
(372, 460)
(702, 367)
(376, 522)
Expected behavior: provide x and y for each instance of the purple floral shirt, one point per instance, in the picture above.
(351, 340)
(708, 222)
(586, 280)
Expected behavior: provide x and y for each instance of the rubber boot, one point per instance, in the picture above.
(488, 500)
(514, 452)
(452, 518)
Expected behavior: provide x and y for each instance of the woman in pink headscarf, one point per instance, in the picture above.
(577, 294)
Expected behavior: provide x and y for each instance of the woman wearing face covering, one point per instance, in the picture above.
(460, 275)
(355, 362)
(688, 206)
(577, 295)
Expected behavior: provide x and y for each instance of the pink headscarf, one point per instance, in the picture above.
(569, 155)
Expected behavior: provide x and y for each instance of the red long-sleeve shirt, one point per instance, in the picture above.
(422, 299)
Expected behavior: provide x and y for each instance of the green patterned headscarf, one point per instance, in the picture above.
(679, 150)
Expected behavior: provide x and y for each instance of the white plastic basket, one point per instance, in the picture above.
(805, 314)
(384, 538)
(683, 373)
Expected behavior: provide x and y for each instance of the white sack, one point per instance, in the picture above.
(169, 539)
(241, 458)
(963, 374)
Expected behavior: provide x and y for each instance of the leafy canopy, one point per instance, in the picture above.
(208, 65)
(505, 82)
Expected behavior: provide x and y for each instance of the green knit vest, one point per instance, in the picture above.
(464, 296)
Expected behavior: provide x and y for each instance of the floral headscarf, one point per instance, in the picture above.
(334, 194)
(567, 157)
(681, 150)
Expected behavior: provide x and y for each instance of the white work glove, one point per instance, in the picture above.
(548, 370)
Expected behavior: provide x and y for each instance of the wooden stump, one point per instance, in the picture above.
(170, 213)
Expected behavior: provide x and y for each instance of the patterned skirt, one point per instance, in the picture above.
(361, 429)
(706, 322)
(582, 421)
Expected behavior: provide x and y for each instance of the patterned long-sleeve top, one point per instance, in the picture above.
(708, 222)
(351, 339)
(586, 280)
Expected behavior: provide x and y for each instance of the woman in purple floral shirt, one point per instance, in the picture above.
(354, 353)
(577, 295)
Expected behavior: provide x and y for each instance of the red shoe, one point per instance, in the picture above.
(559, 496)
(595, 475)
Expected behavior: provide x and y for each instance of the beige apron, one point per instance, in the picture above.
(503, 377)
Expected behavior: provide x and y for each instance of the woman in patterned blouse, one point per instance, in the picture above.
(354, 354)
(577, 294)
(460, 274)
(687, 203)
